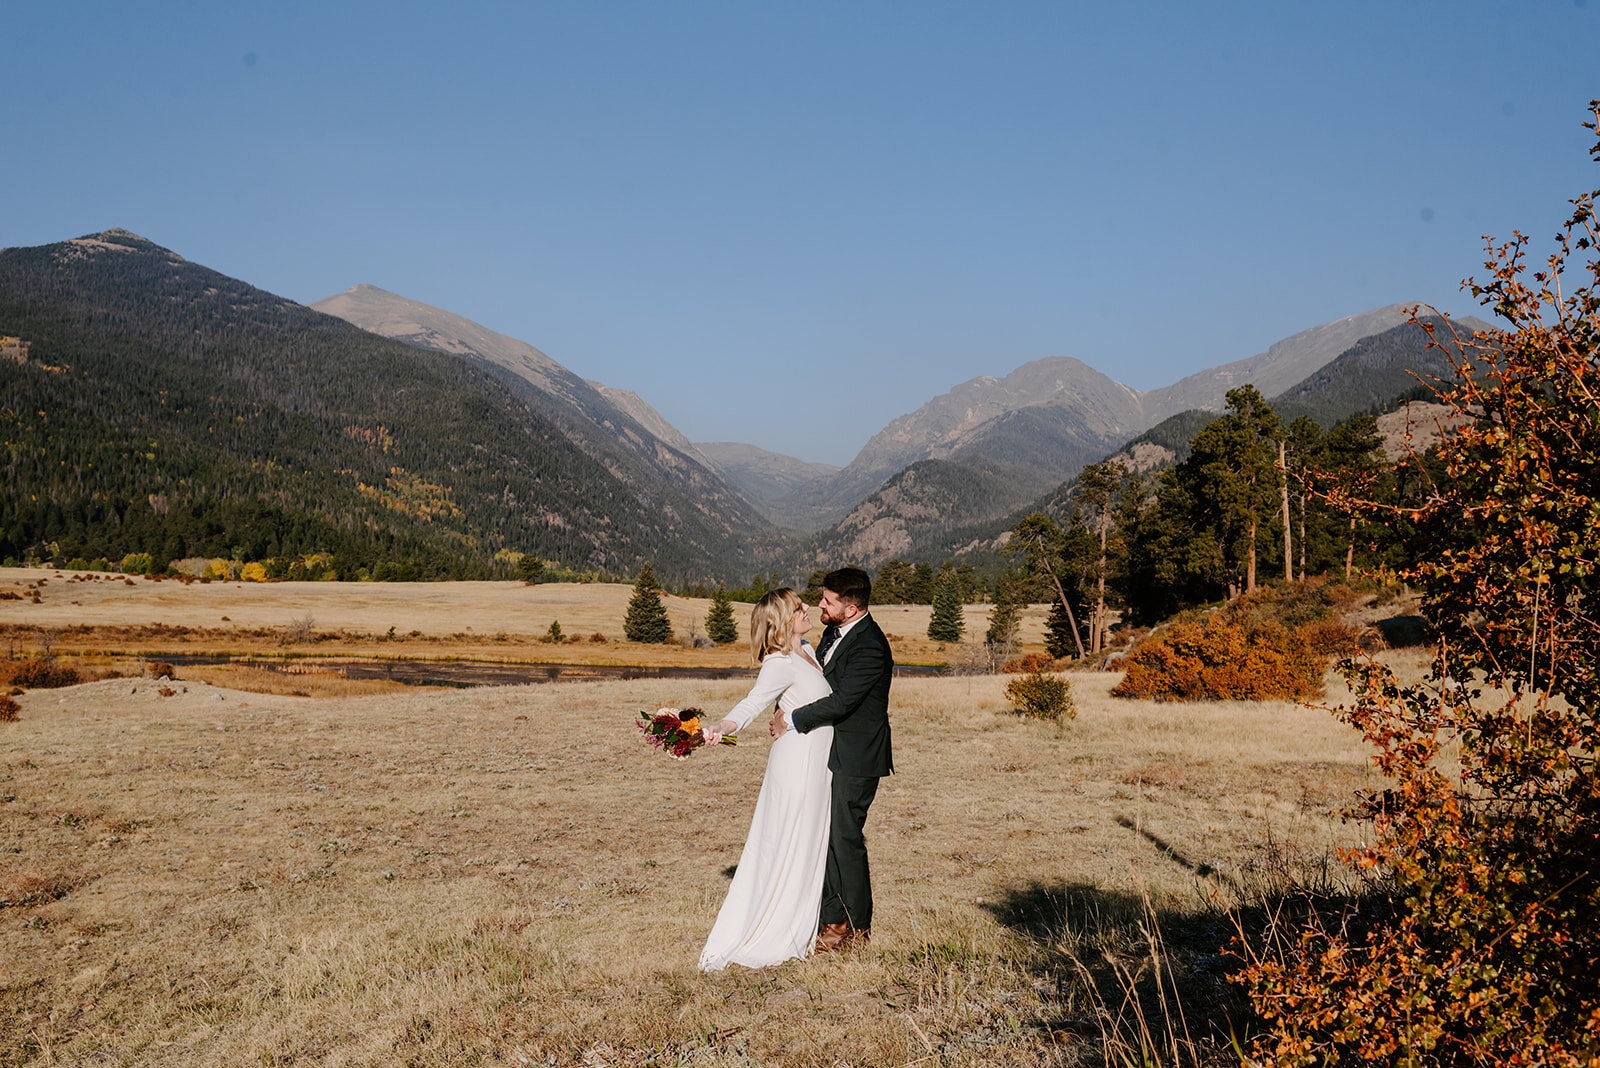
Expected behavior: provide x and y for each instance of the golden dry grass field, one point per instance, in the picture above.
(511, 876)
(87, 614)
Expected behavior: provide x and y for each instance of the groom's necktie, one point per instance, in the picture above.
(830, 634)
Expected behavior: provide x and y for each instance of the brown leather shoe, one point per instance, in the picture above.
(830, 937)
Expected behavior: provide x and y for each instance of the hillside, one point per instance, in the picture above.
(1281, 367)
(1372, 373)
(614, 427)
(1087, 406)
(782, 488)
(1369, 376)
(170, 409)
(920, 506)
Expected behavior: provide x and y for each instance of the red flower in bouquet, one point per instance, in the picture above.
(677, 731)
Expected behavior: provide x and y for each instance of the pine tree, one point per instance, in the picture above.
(530, 568)
(1006, 619)
(720, 626)
(1043, 545)
(1233, 478)
(1097, 489)
(646, 620)
(947, 623)
(893, 583)
(1058, 640)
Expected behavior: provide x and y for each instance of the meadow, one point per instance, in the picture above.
(194, 873)
(98, 618)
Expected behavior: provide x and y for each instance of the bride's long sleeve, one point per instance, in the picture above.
(777, 674)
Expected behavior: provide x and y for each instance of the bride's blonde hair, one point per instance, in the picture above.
(772, 623)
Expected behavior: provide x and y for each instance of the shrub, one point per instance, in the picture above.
(1042, 695)
(300, 630)
(1221, 660)
(44, 675)
(1029, 663)
(1331, 637)
(553, 635)
(162, 670)
(254, 571)
(8, 710)
(138, 564)
(597, 638)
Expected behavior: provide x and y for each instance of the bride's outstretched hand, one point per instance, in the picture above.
(714, 733)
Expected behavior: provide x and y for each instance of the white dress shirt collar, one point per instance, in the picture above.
(844, 628)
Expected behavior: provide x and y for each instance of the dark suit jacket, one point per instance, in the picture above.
(859, 672)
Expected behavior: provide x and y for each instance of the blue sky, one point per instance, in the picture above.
(788, 223)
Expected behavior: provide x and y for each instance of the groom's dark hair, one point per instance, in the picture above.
(850, 584)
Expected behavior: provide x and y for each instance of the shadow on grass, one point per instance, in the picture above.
(1144, 977)
(1157, 978)
(1168, 850)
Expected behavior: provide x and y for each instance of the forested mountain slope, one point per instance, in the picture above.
(169, 409)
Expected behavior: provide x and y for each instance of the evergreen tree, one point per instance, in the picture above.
(1351, 452)
(1010, 594)
(968, 578)
(893, 583)
(1233, 479)
(921, 588)
(1048, 551)
(530, 568)
(646, 620)
(1058, 640)
(1097, 488)
(947, 623)
(720, 626)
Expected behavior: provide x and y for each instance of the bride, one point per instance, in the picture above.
(770, 913)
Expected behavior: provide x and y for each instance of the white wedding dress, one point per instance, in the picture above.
(770, 913)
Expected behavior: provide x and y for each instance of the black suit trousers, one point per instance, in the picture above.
(847, 885)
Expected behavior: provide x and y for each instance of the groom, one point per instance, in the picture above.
(858, 665)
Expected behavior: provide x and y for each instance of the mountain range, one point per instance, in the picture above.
(137, 325)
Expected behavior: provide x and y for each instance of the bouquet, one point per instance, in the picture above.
(676, 730)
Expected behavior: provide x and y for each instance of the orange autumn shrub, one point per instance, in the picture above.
(1028, 663)
(1217, 659)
